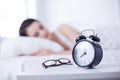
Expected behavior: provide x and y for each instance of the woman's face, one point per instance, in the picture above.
(36, 29)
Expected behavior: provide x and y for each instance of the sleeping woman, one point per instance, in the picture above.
(34, 28)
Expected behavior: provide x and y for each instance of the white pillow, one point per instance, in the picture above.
(16, 46)
(109, 35)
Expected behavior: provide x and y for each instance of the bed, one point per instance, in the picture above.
(30, 68)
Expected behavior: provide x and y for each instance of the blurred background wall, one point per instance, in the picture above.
(55, 12)
(90, 12)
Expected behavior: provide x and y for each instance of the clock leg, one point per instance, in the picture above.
(91, 67)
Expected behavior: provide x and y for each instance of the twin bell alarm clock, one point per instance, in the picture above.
(87, 51)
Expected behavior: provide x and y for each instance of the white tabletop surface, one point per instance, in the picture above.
(109, 68)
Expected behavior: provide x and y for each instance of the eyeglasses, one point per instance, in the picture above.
(56, 62)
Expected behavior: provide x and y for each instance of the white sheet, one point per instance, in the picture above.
(10, 67)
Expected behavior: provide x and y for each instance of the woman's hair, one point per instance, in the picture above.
(26, 23)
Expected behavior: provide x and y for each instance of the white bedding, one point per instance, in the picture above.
(10, 67)
(107, 34)
(11, 47)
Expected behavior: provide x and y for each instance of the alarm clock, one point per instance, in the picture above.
(87, 51)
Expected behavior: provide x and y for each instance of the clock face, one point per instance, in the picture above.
(84, 53)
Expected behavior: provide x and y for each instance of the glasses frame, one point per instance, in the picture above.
(56, 62)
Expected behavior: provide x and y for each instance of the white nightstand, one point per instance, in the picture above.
(33, 70)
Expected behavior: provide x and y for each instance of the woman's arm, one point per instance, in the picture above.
(68, 32)
(48, 52)
(58, 40)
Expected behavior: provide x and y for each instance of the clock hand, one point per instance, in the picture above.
(83, 54)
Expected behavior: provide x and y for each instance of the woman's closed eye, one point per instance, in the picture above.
(36, 34)
(41, 27)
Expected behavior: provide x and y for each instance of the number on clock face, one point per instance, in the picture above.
(84, 53)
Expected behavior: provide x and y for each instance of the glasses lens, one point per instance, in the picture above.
(64, 60)
(50, 62)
